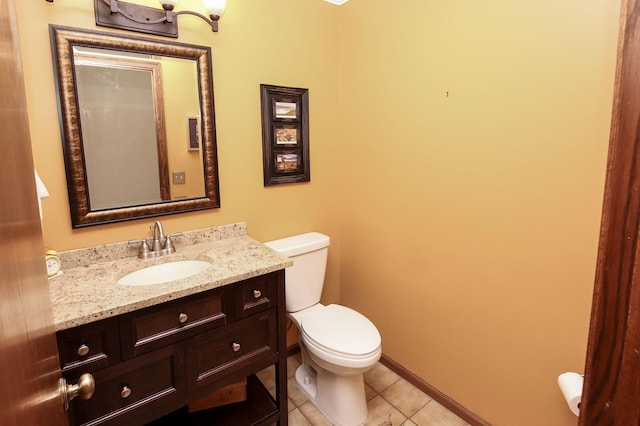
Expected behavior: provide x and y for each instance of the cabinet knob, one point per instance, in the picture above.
(182, 318)
(83, 350)
(125, 392)
(235, 346)
(257, 294)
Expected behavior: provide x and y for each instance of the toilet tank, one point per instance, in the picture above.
(303, 280)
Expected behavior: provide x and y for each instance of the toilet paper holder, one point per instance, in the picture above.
(571, 384)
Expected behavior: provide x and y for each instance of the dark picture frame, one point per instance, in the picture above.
(285, 134)
(193, 128)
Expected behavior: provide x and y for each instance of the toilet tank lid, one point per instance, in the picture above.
(299, 244)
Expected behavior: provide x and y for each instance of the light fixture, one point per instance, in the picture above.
(135, 17)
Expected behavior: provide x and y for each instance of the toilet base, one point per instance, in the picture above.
(341, 398)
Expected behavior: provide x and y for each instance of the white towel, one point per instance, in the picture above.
(42, 192)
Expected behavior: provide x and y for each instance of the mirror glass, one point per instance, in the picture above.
(138, 126)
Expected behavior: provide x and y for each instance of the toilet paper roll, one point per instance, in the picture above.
(571, 387)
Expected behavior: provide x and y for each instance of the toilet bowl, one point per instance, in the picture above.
(339, 337)
(338, 344)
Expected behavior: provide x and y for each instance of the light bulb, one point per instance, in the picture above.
(168, 4)
(215, 7)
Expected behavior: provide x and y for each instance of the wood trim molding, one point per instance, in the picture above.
(611, 388)
(443, 399)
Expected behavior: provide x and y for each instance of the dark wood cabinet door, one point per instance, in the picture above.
(136, 390)
(89, 347)
(255, 295)
(218, 353)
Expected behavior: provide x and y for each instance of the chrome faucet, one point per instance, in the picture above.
(159, 238)
(160, 245)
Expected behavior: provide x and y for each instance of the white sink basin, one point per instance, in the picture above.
(165, 272)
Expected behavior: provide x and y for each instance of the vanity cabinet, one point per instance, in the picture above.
(148, 364)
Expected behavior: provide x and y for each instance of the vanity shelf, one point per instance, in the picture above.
(259, 409)
(148, 364)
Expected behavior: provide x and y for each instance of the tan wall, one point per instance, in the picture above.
(281, 42)
(476, 165)
(457, 157)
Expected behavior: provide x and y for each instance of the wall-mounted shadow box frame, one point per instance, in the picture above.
(285, 134)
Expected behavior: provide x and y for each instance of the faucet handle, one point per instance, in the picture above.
(168, 244)
(144, 246)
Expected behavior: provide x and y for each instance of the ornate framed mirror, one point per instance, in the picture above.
(127, 111)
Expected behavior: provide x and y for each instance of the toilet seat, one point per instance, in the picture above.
(342, 333)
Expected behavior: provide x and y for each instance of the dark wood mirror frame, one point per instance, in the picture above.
(63, 39)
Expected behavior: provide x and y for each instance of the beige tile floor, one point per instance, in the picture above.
(391, 400)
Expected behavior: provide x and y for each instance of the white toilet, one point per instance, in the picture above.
(338, 344)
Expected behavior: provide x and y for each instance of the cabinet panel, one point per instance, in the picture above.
(88, 347)
(255, 295)
(153, 382)
(148, 329)
(218, 353)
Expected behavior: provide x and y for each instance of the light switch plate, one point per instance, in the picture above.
(178, 178)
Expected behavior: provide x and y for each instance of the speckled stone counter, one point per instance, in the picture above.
(88, 291)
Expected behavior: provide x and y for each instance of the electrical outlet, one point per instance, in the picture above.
(178, 178)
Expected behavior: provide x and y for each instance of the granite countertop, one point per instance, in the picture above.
(88, 291)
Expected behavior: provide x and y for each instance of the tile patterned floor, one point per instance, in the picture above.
(392, 401)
